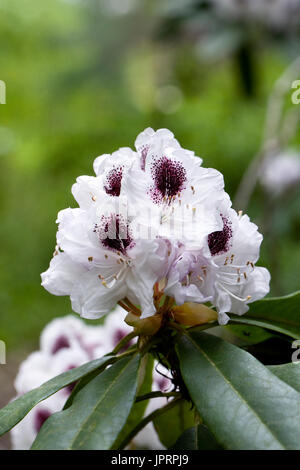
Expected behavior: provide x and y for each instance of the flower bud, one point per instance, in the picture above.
(145, 326)
(192, 314)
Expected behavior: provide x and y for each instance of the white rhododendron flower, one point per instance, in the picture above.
(154, 222)
(280, 172)
(38, 368)
(110, 171)
(176, 196)
(224, 271)
(66, 343)
(234, 280)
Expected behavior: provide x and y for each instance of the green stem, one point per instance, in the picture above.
(121, 356)
(206, 326)
(148, 420)
(150, 395)
(135, 309)
(177, 327)
(123, 342)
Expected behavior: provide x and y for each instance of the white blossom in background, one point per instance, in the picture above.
(280, 172)
(38, 368)
(154, 219)
(276, 14)
(66, 343)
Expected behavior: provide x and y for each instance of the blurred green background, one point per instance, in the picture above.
(84, 78)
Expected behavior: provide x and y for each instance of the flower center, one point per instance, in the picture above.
(40, 417)
(61, 343)
(169, 177)
(219, 241)
(114, 233)
(112, 185)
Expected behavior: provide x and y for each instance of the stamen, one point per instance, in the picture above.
(241, 299)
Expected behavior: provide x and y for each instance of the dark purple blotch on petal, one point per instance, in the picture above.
(114, 233)
(169, 177)
(118, 335)
(219, 241)
(70, 387)
(61, 343)
(113, 181)
(40, 417)
(163, 383)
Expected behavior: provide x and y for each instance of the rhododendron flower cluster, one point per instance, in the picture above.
(66, 343)
(154, 222)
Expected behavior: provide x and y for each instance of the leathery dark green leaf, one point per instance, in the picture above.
(244, 405)
(97, 414)
(289, 373)
(196, 438)
(138, 409)
(280, 314)
(15, 411)
(171, 425)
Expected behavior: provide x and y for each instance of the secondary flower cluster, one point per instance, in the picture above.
(66, 343)
(155, 222)
(275, 14)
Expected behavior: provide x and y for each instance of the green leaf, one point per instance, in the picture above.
(281, 314)
(248, 334)
(289, 373)
(15, 411)
(171, 424)
(138, 409)
(243, 404)
(97, 414)
(196, 438)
